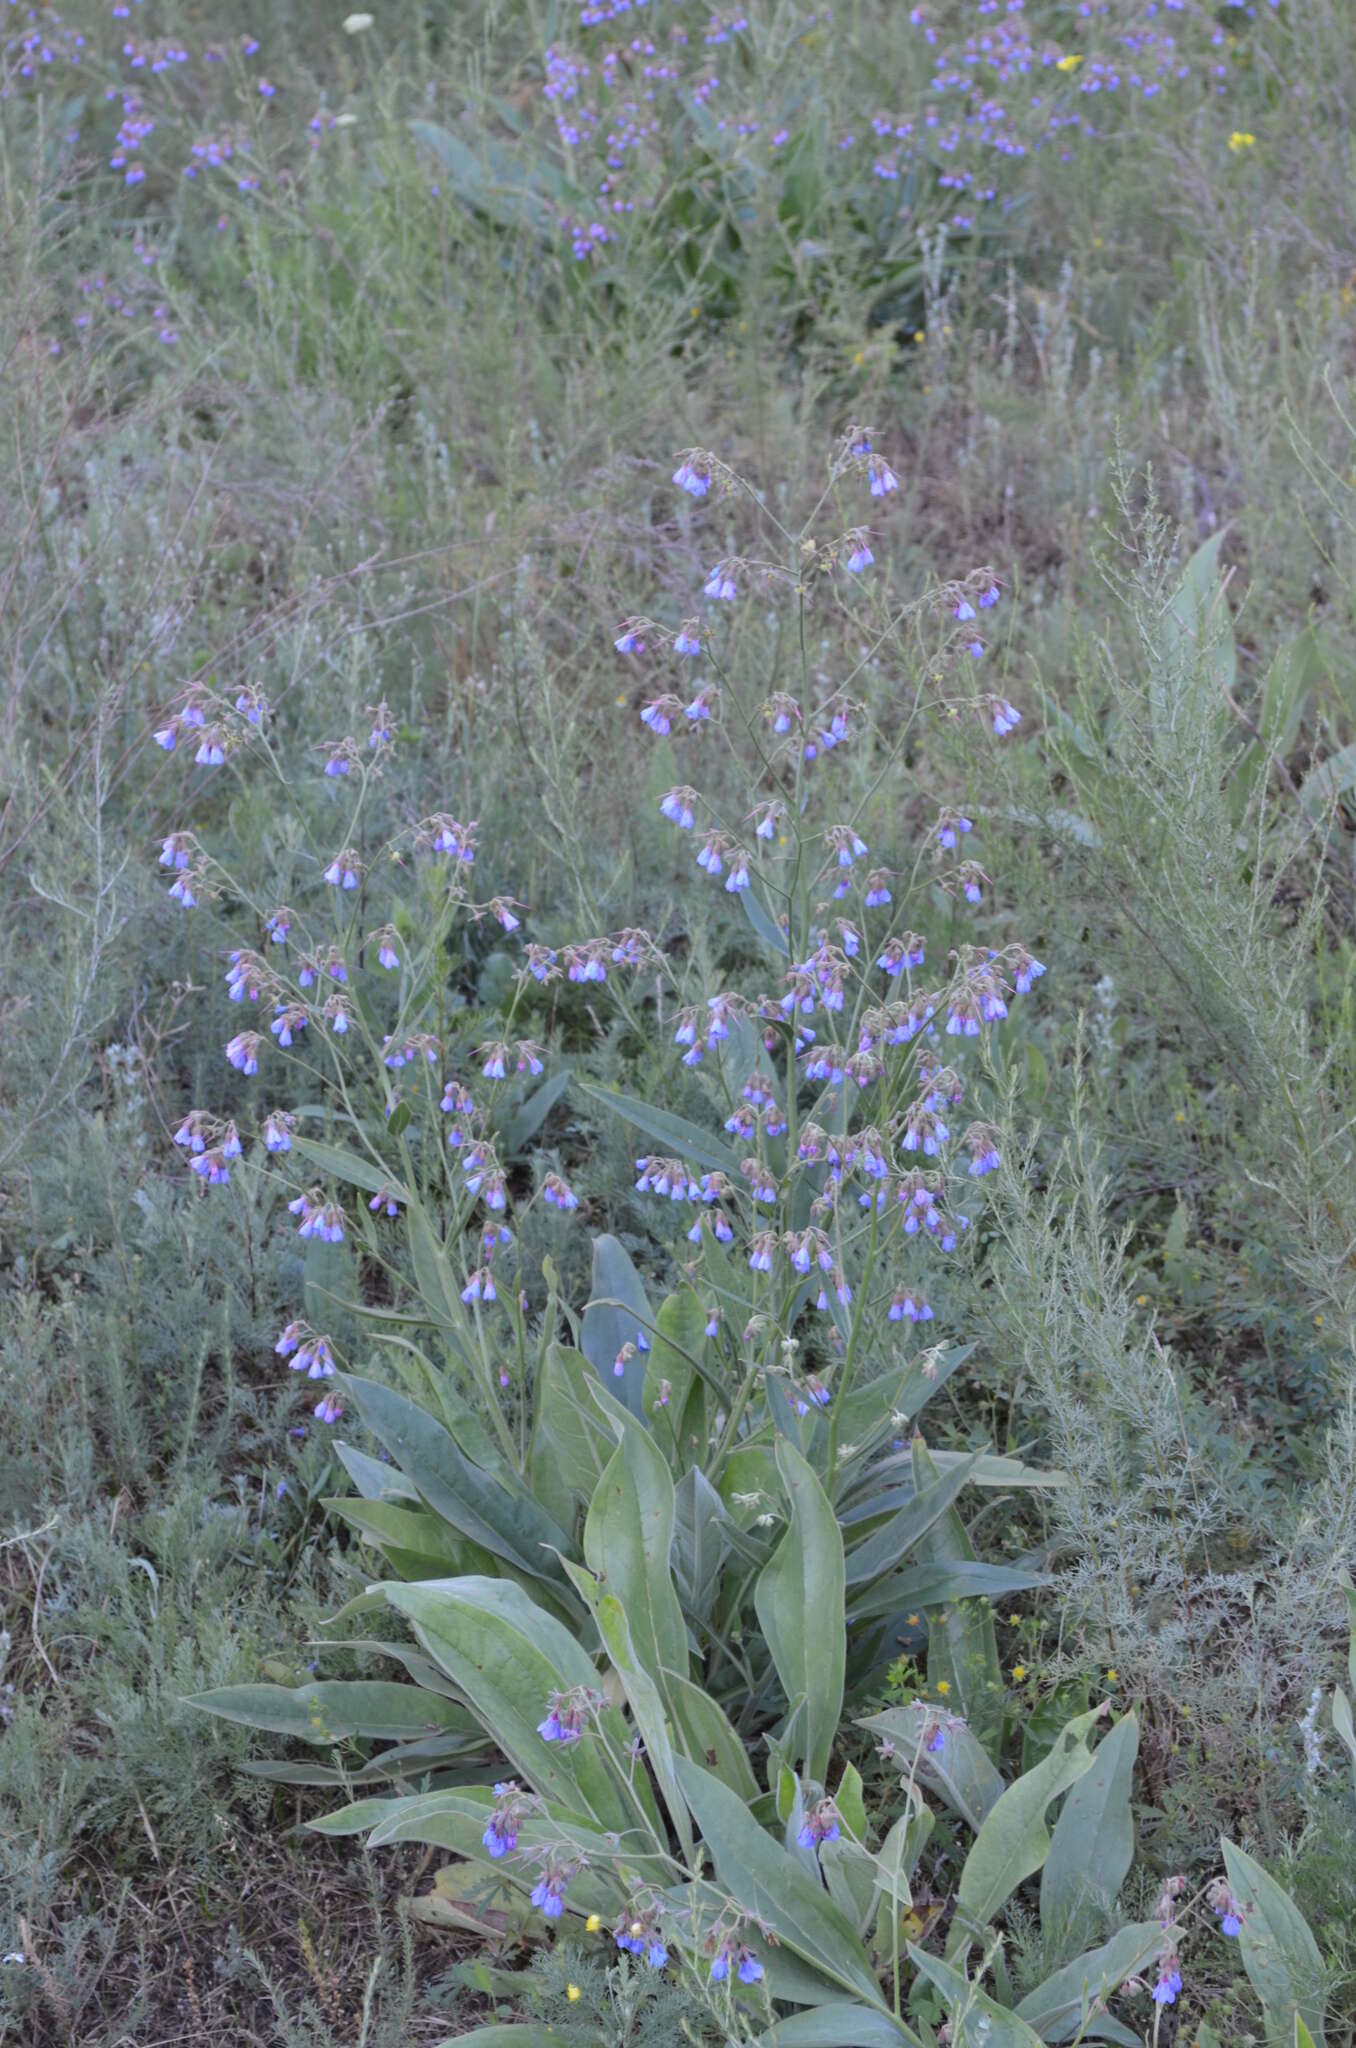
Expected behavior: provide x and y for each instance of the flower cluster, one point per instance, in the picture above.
(975, 102)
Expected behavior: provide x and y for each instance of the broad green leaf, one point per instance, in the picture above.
(847, 1797)
(373, 1477)
(571, 1445)
(513, 1528)
(886, 1546)
(354, 1819)
(349, 1167)
(770, 1886)
(1063, 2004)
(675, 1360)
(700, 1540)
(628, 1535)
(889, 1403)
(679, 1138)
(608, 1327)
(708, 1739)
(960, 1769)
(1294, 671)
(765, 924)
(525, 1121)
(505, 188)
(1279, 1953)
(850, 1874)
(1196, 662)
(1331, 779)
(1092, 1845)
(506, 1655)
(412, 1533)
(332, 1710)
(799, 1603)
(945, 1585)
(647, 1707)
(837, 2026)
(977, 2021)
(1014, 1840)
(963, 1649)
(1341, 1721)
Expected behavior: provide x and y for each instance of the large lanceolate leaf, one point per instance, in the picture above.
(510, 1526)
(679, 1138)
(571, 1444)
(1092, 1845)
(351, 1167)
(701, 1540)
(647, 1707)
(506, 1656)
(962, 1649)
(1014, 1840)
(1064, 2005)
(1279, 1953)
(1196, 661)
(618, 1314)
(886, 1546)
(673, 1379)
(627, 1539)
(975, 2017)
(837, 2026)
(771, 1886)
(332, 1710)
(959, 1769)
(799, 1602)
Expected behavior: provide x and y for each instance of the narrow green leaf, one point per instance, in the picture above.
(799, 1602)
(765, 924)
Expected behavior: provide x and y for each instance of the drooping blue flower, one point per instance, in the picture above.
(860, 558)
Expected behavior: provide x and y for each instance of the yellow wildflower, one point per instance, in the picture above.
(943, 1687)
(593, 1923)
(1068, 63)
(1019, 1672)
(573, 1993)
(1240, 139)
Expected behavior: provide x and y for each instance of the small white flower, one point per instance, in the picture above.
(354, 24)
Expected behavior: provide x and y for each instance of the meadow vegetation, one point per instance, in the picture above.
(754, 1448)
